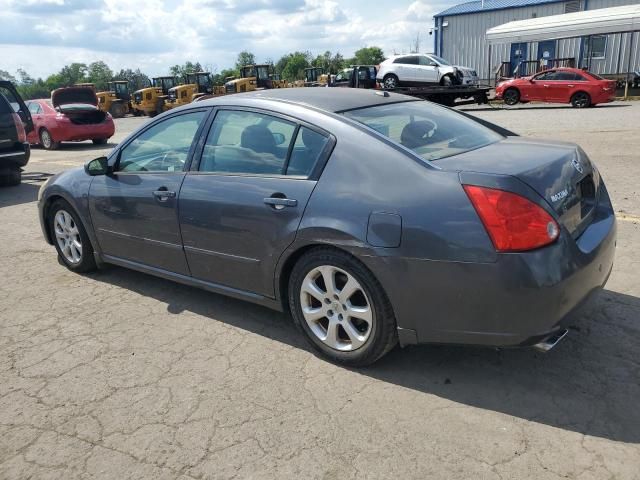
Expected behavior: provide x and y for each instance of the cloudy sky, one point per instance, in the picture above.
(43, 35)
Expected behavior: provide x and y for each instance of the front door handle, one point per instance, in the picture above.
(280, 203)
(162, 194)
(570, 86)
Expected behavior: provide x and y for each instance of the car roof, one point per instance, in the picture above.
(329, 99)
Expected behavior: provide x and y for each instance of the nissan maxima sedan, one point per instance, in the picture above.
(372, 217)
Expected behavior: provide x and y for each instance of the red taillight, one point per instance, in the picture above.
(17, 121)
(514, 223)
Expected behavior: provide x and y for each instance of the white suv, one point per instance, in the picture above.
(420, 69)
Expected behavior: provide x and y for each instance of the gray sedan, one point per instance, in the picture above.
(374, 218)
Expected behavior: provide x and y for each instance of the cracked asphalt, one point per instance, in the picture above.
(119, 375)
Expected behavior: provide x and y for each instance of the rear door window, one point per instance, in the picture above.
(245, 142)
(253, 143)
(307, 150)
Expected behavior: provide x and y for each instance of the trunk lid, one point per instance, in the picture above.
(559, 172)
(74, 98)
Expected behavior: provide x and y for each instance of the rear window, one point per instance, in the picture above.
(431, 131)
(593, 75)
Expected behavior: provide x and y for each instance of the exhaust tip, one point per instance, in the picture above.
(551, 341)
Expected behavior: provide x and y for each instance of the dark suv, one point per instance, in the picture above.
(15, 123)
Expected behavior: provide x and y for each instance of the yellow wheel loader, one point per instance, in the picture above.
(198, 85)
(116, 100)
(253, 77)
(151, 100)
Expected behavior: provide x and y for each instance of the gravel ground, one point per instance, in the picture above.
(119, 375)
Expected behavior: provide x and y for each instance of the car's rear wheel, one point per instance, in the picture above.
(341, 308)
(70, 238)
(511, 96)
(581, 100)
(391, 81)
(47, 141)
(100, 141)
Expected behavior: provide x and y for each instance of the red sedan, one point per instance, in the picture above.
(72, 115)
(561, 85)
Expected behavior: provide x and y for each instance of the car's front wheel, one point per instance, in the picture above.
(391, 81)
(70, 238)
(341, 308)
(100, 141)
(511, 96)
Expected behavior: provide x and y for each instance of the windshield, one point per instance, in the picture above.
(431, 131)
(440, 60)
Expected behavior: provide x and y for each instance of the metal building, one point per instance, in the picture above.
(459, 36)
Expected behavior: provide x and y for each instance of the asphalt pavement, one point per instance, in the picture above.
(119, 375)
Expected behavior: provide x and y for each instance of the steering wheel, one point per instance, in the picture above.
(169, 159)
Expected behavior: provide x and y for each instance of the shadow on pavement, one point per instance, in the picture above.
(590, 383)
(26, 192)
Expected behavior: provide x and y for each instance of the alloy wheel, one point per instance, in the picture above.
(336, 308)
(511, 97)
(581, 100)
(45, 139)
(390, 82)
(68, 237)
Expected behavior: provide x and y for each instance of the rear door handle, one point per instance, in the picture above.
(280, 203)
(570, 86)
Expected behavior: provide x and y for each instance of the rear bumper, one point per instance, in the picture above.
(16, 158)
(519, 300)
(72, 132)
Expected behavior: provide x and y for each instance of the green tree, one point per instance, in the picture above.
(137, 80)
(220, 78)
(291, 67)
(25, 78)
(368, 56)
(70, 75)
(181, 71)
(4, 75)
(245, 58)
(99, 74)
(329, 63)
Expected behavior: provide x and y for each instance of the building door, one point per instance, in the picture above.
(518, 55)
(546, 53)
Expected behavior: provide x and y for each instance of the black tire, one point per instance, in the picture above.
(117, 110)
(581, 100)
(46, 140)
(383, 335)
(100, 141)
(11, 178)
(446, 81)
(159, 107)
(390, 81)
(87, 262)
(511, 96)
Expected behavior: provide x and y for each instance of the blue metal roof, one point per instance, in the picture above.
(489, 5)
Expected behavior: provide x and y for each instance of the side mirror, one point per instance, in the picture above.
(433, 64)
(279, 138)
(97, 166)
